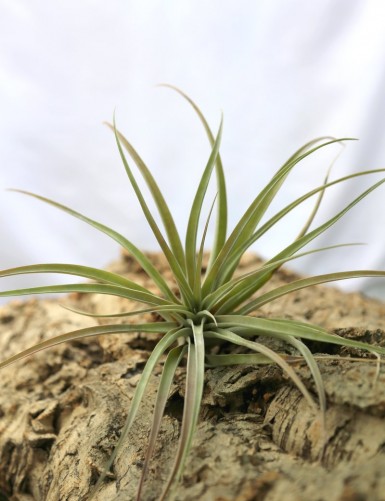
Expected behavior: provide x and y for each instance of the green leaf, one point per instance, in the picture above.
(278, 328)
(228, 335)
(113, 290)
(283, 212)
(238, 359)
(173, 360)
(258, 359)
(164, 211)
(301, 242)
(74, 269)
(171, 259)
(193, 398)
(138, 255)
(315, 372)
(198, 271)
(316, 207)
(221, 219)
(222, 300)
(168, 340)
(88, 332)
(221, 271)
(304, 283)
(175, 309)
(192, 227)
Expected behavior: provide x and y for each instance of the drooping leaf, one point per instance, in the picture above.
(89, 332)
(253, 326)
(166, 342)
(170, 366)
(194, 391)
(228, 335)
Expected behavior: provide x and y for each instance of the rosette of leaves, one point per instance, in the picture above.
(212, 305)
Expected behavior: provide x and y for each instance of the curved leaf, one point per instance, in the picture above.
(113, 290)
(228, 335)
(220, 271)
(230, 290)
(138, 255)
(277, 328)
(88, 332)
(300, 243)
(164, 211)
(194, 391)
(303, 283)
(173, 262)
(170, 366)
(75, 269)
(221, 219)
(192, 226)
(283, 212)
(168, 340)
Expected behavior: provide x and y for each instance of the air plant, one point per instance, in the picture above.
(212, 304)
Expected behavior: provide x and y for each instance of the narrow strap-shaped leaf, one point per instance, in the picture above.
(310, 361)
(198, 271)
(306, 282)
(138, 255)
(227, 293)
(226, 360)
(193, 398)
(228, 335)
(164, 211)
(283, 212)
(253, 215)
(315, 372)
(262, 359)
(173, 309)
(192, 227)
(173, 262)
(264, 199)
(204, 315)
(301, 242)
(74, 269)
(266, 196)
(238, 359)
(170, 366)
(168, 340)
(277, 328)
(89, 332)
(113, 290)
(317, 205)
(317, 333)
(221, 219)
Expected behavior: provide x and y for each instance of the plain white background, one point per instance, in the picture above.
(282, 72)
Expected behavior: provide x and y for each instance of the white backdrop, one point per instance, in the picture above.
(282, 72)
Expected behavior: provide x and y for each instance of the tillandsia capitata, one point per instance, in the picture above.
(212, 304)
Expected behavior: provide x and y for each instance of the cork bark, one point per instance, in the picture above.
(61, 410)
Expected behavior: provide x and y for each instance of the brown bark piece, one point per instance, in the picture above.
(61, 411)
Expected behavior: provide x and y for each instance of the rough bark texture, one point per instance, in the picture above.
(61, 410)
